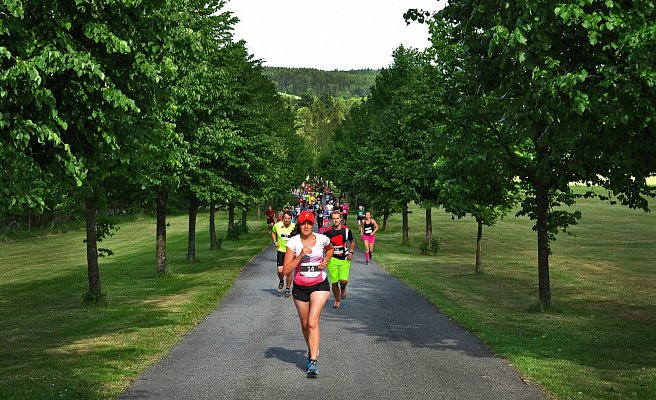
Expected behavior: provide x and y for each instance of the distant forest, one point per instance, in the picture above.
(315, 82)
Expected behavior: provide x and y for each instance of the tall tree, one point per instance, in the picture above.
(547, 77)
(77, 82)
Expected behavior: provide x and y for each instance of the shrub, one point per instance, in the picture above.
(425, 247)
(236, 231)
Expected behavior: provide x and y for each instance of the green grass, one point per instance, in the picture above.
(54, 346)
(598, 341)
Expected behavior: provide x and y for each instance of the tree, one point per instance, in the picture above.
(547, 77)
(77, 87)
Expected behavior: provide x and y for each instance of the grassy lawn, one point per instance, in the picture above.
(54, 346)
(599, 342)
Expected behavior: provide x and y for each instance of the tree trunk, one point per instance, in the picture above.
(259, 212)
(429, 227)
(406, 239)
(92, 249)
(231, 215)
(213, 244)
(193, 212)
(243, 216)
(161, 265)
(385, 218)
(542, 201)
(479, 248)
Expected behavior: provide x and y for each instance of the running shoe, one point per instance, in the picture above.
(336, 305)
(313, 370)
(307, 364)
(366, 263)
(343, 294)
(288, 292)
(281, 285)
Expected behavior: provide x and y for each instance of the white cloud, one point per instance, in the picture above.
(336, 34)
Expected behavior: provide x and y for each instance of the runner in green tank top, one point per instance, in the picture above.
(360, 218)
(281, 232)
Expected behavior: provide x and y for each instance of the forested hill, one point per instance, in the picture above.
(298, 81)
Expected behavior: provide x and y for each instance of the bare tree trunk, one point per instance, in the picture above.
(406, 239)
(259, 211)
(429, 227)
(193, 212)
(92, 248)
(231, 215)
(213, 244)
(385, 218)
(161, 264)
(479, 248)
(243, 216)
(542, 200)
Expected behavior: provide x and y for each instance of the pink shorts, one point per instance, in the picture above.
(369, 238)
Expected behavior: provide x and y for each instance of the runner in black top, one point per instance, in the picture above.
(342, 240)
(369, 229)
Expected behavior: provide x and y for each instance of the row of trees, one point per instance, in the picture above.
(130, 101)
(314, 82)
(507, 108)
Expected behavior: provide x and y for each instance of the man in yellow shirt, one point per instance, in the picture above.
(281, 232)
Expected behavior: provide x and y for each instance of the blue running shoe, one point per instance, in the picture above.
(313, 370)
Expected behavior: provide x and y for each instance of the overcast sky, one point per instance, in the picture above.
(328, 34)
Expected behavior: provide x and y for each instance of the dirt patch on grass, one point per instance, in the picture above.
(172, 303)
(84, 346)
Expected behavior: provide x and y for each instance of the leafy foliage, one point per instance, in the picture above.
(427, 247)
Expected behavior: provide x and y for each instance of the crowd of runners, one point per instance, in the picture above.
(314, 253)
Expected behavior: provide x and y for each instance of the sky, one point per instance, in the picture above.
(328, 34)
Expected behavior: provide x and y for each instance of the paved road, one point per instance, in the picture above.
(385, 342)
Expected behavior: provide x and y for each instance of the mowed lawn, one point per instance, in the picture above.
(54, 346)
(598, 342)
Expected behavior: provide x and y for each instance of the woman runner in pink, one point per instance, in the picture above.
(308, 254)
(369, 229)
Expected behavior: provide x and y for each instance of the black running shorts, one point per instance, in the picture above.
(302, 293)
(281, 257)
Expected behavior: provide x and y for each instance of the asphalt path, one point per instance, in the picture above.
(384, 342)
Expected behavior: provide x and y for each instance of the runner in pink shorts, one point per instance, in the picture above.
(369, 229)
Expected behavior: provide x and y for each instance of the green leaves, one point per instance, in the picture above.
(14, 7)
(4, 52)
(101, 33)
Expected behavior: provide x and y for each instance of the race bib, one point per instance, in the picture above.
(310, 270)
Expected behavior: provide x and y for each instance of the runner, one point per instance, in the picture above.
(270, 213)
(369, 229)
(305, 256)
(345, 210)
(326, 217)
(336, 207)
(281, 233)
(360, 218)
(319, 217)
(340, 264)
